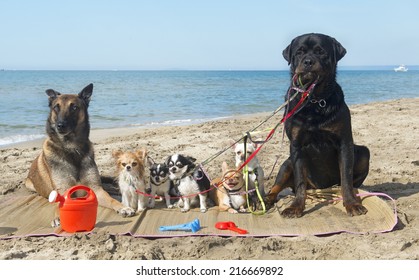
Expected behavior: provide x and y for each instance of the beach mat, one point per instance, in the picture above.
(324, 215)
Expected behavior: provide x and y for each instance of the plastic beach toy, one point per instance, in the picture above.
(193, 226)
(230, 226)
(78, 208)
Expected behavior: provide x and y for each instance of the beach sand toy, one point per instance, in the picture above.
(78, 208)
(230, 226)
(193, 226)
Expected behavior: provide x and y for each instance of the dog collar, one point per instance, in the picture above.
(158, 184)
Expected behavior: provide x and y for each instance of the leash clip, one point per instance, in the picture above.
(322, 103)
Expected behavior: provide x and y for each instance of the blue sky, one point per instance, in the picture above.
(197, 34)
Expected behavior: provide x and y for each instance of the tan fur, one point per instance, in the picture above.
(131, 170)
(67, 157)
(231, 180)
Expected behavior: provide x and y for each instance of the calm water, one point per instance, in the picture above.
(144, 98)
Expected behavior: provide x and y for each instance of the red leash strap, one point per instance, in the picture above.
(296, 107)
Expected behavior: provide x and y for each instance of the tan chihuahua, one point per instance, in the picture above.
(230, 195)
(131, 171)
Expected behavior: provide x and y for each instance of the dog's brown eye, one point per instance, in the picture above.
(239, 153)
(180, 165)
(134, 164)
(123, 164)
(74, 107)
(57, 107)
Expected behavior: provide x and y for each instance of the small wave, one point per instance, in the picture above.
(179, 122)
(8, 140)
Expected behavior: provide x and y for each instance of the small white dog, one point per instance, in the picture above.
(131, 169)
(254, 168)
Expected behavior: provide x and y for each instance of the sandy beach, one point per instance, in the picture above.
(389, 129)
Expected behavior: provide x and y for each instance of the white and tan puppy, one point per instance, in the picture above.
(131, 169)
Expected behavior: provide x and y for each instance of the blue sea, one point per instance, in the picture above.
(157, 98)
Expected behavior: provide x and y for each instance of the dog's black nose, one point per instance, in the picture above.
(128, 167)
(61, 126)
(308, 62)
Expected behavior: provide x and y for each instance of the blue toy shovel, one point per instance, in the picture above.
(193, 226)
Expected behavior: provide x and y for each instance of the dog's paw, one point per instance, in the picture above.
(270, 201)
(140, 210)
(204, 210)
(232, 211)
(126, 212)
(355, 209)
(185, 210)
(56, 222)
(292, 212)
(242, 210)
(170, 206)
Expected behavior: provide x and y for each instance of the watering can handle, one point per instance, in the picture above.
(90, 194)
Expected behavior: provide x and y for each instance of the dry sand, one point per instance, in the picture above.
(390, 129)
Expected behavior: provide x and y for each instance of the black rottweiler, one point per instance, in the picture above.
(322, 152)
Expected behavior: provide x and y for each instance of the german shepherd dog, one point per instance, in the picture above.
(67, 156)
(322, 150)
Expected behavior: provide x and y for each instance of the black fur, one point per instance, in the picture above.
(322, 152)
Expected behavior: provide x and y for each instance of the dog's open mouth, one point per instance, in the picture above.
(233, 186)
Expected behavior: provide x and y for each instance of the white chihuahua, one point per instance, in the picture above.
(254, 168)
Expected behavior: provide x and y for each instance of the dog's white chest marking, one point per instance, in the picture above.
(234, 200)
(128, 186)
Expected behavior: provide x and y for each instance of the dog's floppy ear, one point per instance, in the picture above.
(52, 95)
(287, 53)
(86, 93)
(338, 49)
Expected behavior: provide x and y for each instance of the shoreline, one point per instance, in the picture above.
(100, 134)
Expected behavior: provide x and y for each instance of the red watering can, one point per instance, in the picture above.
(78, 208)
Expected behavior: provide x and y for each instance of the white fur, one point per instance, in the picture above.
(251, 166)
(238, 202)
(187, 186)
(162, 189)
(128, 185)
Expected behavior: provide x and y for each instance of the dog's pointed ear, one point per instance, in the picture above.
(167, 161)
(86, 93)
(117, 154)
(150, 161)
(233, 144)
(52, 95)
(141, 154)
(338, 49)
(192, 159)
(224, 167)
